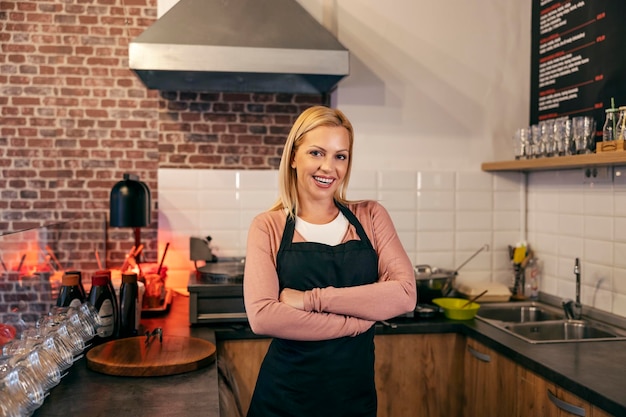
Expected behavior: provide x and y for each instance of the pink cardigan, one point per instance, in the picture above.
(329, 312)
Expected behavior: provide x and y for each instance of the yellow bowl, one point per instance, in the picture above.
(452, 308)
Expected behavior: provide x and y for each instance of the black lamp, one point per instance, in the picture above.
(130, 205)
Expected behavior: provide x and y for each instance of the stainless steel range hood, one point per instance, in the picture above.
(272, 46)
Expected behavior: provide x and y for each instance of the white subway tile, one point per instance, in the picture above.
(177, 179)
(173, 200)
(619, 281)
(474, 181)
(598, 203)
(570, 247)
(435, 220)
(619, 204)
(441, 259)
(599, 228)
(547, 222)
(257, 200)
(507, 220)
(474, 200)
(570, 202)
(398, 200)
(472, 241)
(435, 241)
(397, 180)
(258, 180)
(403, 220)
(474, 220)
(436, 181)
(598, 251)
(620, 229)
(619, 255)
(362, 194)
(217, 199)
(567, 224)
(435, 200)
(408, 240)
(220, 220)
(363, 180)
(218, 179)
(508, 200)
(508, 181)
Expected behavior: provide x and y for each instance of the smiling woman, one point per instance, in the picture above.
(320, 271)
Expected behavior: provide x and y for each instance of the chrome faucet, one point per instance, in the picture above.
(573, 310)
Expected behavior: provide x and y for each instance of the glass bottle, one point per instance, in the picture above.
(610, 125)
(621, 123)
(105, 303)
(70, 294)
(129, 300)
(80, 282)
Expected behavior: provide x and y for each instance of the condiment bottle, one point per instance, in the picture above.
(80, 282)
(69, 293)
(620, 130)
(609, 130)
(104, 301)
(129, 305)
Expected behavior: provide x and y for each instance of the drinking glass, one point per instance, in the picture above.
(59, 350)
(534, 140)
(583, 131)
(562, 133)
(521, 142)
(21, 383)
(44, 367)
(547, 137)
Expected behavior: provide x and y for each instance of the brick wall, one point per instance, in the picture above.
(75, 119)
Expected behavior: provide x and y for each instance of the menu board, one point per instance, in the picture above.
(578, 58)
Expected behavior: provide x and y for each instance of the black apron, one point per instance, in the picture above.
(329, 378)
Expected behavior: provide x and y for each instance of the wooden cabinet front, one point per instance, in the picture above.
(489, 381)
(419, 374)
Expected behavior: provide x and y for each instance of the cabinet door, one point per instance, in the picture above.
(419, 374)
(532, 399)
(489, 382)
(244, 359)
(539, 398)
(568, 404)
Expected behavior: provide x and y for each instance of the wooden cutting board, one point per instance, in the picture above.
(131, 356)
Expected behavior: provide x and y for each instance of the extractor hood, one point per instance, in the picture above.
(271, 46)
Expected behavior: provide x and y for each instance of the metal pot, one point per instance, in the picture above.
(433, 282)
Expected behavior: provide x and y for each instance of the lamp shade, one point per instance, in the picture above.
(130, 203)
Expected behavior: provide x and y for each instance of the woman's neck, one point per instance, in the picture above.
(318, 212)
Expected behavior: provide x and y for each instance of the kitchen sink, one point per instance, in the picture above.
(536, 322)
(518, 313)
(564, 331)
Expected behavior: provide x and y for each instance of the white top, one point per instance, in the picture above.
(330, 233)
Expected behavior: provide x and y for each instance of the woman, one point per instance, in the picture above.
(320, 271)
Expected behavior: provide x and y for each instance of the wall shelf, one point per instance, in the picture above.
(558, 162)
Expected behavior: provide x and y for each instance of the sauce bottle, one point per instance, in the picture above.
(104, 301)
(129, 305)
(70, 294)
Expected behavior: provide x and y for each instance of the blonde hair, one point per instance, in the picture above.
(310, 119)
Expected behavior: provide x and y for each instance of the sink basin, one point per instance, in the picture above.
(516, 313)
(536, 322)
(564, 331)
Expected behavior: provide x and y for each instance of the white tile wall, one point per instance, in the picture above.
(442, 218)
(569, 218)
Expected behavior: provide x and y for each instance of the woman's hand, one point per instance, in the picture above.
(293, 298)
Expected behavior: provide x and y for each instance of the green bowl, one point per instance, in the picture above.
(452, 308)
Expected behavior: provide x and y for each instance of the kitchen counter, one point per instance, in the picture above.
(591, 370)
(83, 392)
